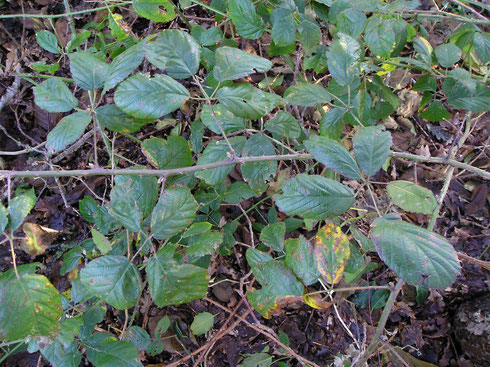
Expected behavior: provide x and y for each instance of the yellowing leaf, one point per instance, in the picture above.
(38, 238)
(316, 301)
(331, 249)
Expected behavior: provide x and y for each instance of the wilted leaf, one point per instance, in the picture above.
(331, 248)
(38, 238)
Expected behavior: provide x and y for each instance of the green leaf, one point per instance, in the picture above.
(229, 122)
(102, 243)
(123, 65)
(306, 95)
(380, 36)
(284, 124)
(351, 21)
(218, 151)
(257, 173)
(314, 197)
(232, 63)
(237, 192)
(279, 285)
(3, 218)
(247, 23)
(387, 94)
(71, 259)
(372, 148)
(415, 254)
(112, 118)
(67, 131)
(283, 27)
(138, 337)
(29, 306)
(203, 322)
(48, 41)
(332, 123)
(103, 350)
(310, 34)
(175, 210)
(481, 43)
(54, 96)
(412, 197)
(257, 360)
(41, 66)
(333, 155)
(197, 229)
(176, 52)
(19, 207)
(342, 59)
(149, 98)
(244, 100)
(156, 10)
(204, 244)
(331, 249)
(88, 71)
(114, 279)
(300, 259)
(272, 235)
(56, 354)
(173, 284)
(206, 37)
(78, 40)
(447, 54)
(462, 96)
(175, 152)
(426, 83)
(115, 22)
(435, 112)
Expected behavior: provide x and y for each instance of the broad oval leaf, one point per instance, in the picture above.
(232, 63)
(3, 218)
(244, 100)
(176, 52)
(173, 284)
(48, 41)
(332, 250)
(202, 323)
(283, 27)
(333, 155)
(156, 10)
(113, 118)
(54, 96)
(114, 279)
(219, 114)
(481, 43)
(175, 210)
(284, 125)
(124, 64)
(412, 197)
(174, 152)
(380, 37)
(447, 54)
(417, 255)
(248, 24)
(29, 306)
(273, 234)
(301, 260)
(218, 151)
(435, 112)
(332, 124)
(314, 197)
(19, 207)
(257, 173)
(88, 71)
(103, 350)
(67, 131)
(306, 95)
(372, 148)
(342, 59)
(149, 98)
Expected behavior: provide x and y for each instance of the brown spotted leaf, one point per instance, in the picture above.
(38, 238)
(331, 248)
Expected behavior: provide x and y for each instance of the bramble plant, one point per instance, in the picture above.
(161, 225)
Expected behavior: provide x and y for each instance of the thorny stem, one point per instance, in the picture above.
(381, 325)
